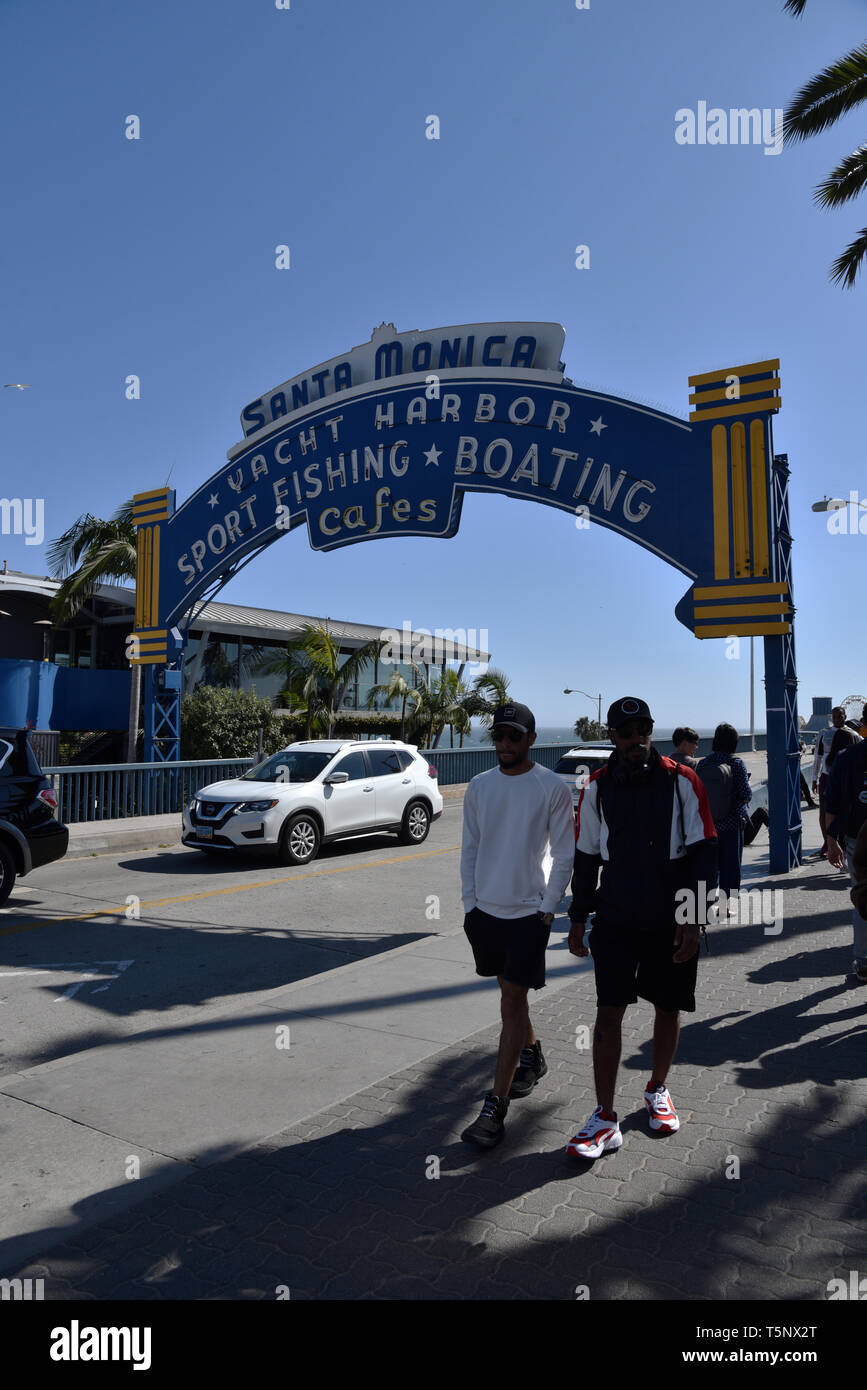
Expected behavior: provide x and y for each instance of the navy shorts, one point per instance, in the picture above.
(511, 947)
(630, 964)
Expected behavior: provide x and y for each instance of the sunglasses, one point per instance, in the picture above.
(642, 727)
(513, 735)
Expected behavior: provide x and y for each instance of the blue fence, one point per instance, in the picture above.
(112, 791)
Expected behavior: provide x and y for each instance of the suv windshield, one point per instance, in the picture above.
(571, 764)
(289, 766)
(585, 763)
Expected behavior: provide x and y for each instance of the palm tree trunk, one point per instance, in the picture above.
(134, 702)
(402, 718)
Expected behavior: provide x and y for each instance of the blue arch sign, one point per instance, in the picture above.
(386, 440)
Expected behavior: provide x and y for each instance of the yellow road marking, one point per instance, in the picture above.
(236, 888)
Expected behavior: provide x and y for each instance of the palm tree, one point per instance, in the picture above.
(493, 688)
(315, 657)
(397, 688)
(819, 104)
(90, 551)
(439, 704)
(460, 717)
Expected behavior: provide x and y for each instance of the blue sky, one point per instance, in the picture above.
(307, 127)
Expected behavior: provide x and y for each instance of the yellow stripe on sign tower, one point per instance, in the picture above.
(720, 453)
(151, 506)
(757, 381)
(759, 476)
(148, 644)
(148, 648)
(740, 451)
(740, 510)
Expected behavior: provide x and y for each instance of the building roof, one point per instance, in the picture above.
(237, 620)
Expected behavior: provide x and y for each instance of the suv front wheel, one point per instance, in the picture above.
(8, 873)
(299, 840)
(416, 824)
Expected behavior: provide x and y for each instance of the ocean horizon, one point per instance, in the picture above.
(566, 735)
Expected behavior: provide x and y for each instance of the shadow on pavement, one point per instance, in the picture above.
(349, 1206)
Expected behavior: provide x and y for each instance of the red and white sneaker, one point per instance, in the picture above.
(663, 1116)
(600, 1134)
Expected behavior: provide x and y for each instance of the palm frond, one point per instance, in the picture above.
(114, 559)
(845, 269)
(827, 96)
(846, 181)
(795, 6)
(351, 667)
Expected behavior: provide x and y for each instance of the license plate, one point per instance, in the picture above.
(205, 832)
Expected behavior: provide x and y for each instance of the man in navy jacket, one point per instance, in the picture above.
(646, 821)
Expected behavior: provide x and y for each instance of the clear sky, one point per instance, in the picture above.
(306, 127)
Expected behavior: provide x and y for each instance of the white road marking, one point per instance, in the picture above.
(89, 970)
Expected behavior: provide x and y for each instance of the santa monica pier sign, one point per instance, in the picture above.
(386, 440)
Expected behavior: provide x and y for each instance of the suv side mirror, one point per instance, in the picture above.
(335, 779)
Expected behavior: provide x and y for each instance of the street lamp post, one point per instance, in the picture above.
(597, 698)
(837, 504)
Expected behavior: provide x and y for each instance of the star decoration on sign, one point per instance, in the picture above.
(596, 426)
(213, 500)
(432, 455)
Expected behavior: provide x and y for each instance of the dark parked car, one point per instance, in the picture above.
(30, 835)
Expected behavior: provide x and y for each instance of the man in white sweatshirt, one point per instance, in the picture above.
(511, 814)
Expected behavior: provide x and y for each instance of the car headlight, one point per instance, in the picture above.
(254, 806)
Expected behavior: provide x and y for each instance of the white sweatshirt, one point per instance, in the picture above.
(508, 823)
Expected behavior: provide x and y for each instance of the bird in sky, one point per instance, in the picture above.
(17, 385)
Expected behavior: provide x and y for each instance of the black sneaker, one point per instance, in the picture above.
(531, 1068)
(489, 1127)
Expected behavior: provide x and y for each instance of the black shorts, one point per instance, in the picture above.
(630, 964)
(513, 947)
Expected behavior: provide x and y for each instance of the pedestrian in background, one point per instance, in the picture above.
(685, 742)
(846, 812)
(512, 813)
(727, 783)
(828, 745)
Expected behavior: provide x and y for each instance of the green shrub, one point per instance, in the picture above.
(222, 723)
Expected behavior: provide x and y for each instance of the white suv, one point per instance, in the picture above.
(578, 765)
(313, 792)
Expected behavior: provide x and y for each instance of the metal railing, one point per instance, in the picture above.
(113, 791)
(456, 765)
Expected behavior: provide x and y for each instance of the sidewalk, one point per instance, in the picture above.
(759, 1196)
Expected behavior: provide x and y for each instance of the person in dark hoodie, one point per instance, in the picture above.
(846, 817)
(646, 821)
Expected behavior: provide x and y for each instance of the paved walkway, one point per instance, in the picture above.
(761, 1195)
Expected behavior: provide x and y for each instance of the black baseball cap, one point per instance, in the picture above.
(518, 716)
(627, 708)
